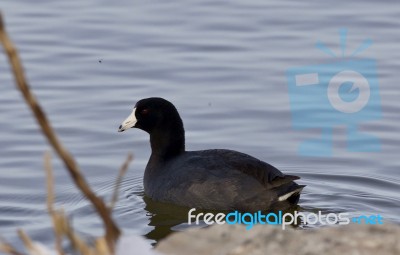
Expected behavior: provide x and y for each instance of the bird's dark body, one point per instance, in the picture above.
(217, 179)
(210, 179)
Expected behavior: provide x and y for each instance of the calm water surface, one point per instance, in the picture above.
(222, 64)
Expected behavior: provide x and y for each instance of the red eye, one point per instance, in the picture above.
(144, 111)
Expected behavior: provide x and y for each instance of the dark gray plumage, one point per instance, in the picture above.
(210, 179)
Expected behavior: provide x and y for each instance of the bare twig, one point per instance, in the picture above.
(8, 248)
(121, 174)
(49, 176)
(101, 247)
(78, 244)
(112, 231)
(30, 246)
(50, 202)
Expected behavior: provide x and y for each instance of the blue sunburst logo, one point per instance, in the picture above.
(342, 92)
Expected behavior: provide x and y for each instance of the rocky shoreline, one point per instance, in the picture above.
(265, 239)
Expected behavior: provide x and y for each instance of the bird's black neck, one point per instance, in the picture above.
(168, 143)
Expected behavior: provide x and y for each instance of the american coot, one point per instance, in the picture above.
(216, 179)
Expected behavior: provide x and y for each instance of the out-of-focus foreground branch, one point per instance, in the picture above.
(112, 232)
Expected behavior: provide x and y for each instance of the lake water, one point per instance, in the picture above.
(222, 63)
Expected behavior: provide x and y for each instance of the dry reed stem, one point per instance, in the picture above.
(111, 229)
(121, 174)
(29, 245)
(50, 202)
(77, 243)
(101, 247)
(61, 224)
(8, 248)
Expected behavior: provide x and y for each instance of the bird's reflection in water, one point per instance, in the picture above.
(167, 218)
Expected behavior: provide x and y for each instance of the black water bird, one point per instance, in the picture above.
(216, 179)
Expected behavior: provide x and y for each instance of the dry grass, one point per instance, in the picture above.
(62, 228)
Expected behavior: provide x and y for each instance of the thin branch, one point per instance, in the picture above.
(77, 243)
(49, 176)
(30, 246)
(101, 247)
(112, 231)
(121, 174)
(8, 248)
(50, 202)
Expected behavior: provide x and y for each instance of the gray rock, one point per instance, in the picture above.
(264, 239)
